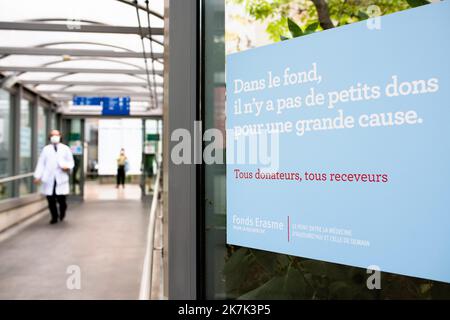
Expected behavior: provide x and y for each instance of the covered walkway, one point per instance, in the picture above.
(105, 238)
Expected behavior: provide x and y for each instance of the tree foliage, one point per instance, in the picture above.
(255, 274)
(281, 16)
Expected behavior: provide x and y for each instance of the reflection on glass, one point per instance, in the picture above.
(41, 129)
(5, 144)
(215, 188)
(152, 146)
(25, 162)
(236, 272)
(76, 145)
(53, 122)
(92, 148)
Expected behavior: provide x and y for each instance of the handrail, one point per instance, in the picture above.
(147, 270)
(13, 178)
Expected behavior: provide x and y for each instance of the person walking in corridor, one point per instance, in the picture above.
(122, 162)
(52, 173)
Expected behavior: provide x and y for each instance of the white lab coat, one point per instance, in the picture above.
(49, 169)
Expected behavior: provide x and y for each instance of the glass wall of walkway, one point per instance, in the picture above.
(25, 119)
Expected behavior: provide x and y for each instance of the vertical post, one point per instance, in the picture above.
(48, 120)
(82, 163)
(143, 180)
(15, 124)
(180, 111)
(59, 121)
(157, 141)
(12, 141)
(34, 134)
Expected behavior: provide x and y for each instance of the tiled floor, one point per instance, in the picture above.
(104, 237)
(95, 191)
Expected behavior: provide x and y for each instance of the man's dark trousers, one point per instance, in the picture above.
(61, 200)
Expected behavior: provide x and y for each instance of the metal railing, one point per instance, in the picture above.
(18, 177)
(147, 270)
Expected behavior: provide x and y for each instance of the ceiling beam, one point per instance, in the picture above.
(72, 26)
(85, 21)
(96, 93)
(133, 99)
(90, 83)
(76, 70)
(141, 7)
(75, 52)
(96, 114)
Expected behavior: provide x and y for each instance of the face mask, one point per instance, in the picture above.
(55, 139)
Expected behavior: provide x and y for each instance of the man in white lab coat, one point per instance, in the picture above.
(52, 172)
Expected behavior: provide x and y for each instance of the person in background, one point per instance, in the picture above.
(121, 164)
(52, 173)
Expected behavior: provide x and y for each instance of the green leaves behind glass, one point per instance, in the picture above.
(291, 285)
(294, 28)
(417, 3)
(362, 15)
(296, 31)
(311, 28)
(257, 274)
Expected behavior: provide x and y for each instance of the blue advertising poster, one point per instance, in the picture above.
(352, 163)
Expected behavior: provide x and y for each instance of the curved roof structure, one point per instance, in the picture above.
(104, 47)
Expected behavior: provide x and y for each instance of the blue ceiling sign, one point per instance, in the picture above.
(111, 106)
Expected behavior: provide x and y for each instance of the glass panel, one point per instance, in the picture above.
(215, 193)
(75, 142)
(236, 272)
(53, 122)
(41, 129)
(92, 148)
(151, 148)
(5, 144)
(25, 163)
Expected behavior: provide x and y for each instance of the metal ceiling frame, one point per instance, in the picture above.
(89, 28)
(89, 83)
(133, 3)
(76, 70)
(72, 59)
(94, 43)
(99, 59)
(83, 21)
(99, 92)
(85, 26)
(74, 52)
(135, 98)
(67, 72)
